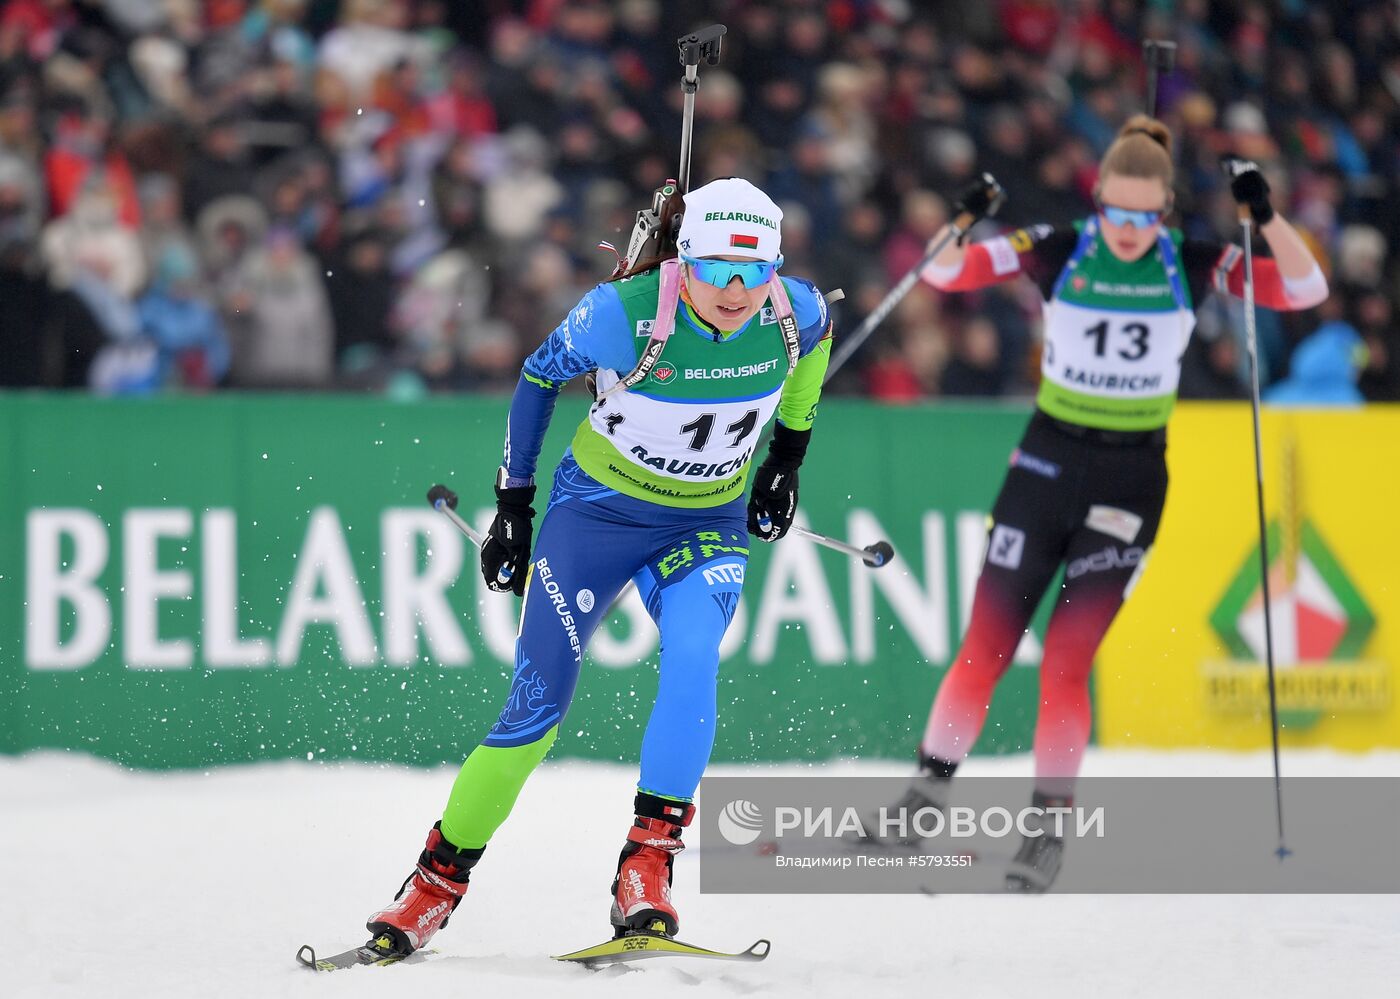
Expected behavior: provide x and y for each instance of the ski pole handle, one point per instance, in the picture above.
(881, 553)
(444, 501)
(981, 199)
(990, 198)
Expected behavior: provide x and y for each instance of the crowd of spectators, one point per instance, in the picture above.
(405, 195)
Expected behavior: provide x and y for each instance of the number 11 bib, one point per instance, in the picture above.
(685, 435)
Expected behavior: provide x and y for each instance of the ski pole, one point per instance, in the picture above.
(959, 227)
(444, 501)
(878, 555)
(1252, 348)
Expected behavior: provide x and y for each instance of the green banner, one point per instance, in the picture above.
(189, 582)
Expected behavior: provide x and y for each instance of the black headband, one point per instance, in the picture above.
(1138, 129)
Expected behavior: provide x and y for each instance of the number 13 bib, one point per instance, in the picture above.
(1115, 332)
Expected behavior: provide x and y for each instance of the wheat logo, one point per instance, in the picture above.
(740, 822)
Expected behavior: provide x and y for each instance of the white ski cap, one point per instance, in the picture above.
(730, 217)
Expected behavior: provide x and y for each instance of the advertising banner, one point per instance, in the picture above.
(192, 582)
(187, 582)
(1184, 663)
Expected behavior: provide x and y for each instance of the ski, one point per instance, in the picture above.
(366, 954)
(633, 947)
(640, 946)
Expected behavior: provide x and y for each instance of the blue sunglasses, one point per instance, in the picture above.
(1127, 216)
(720, 272)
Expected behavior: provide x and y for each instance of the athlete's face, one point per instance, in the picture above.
(725, 308)
(1127, 240)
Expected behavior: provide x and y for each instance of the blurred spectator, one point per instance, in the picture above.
(229, 229)
(462, 109)
(282, 116)
(975, 366)
(367, 165)
(219, 168)
(1375, 319)
(1005, 151)
(843, 115)
(89, 248)
(523, 192)
(1213, 366)
(1361, 253)
(924, 214)
(515, 51)
(280, 321)
(96, 267)
(853, 256)
(369, 40)
(1059, 191)
(1324, 369)
(21, 203)
(162, 226)
(809, 180)
(950, 158)
(889, 378)
(797, 239)
(177, 315)
(35, 27)
(443, 321)
(22, 286)
(361, 293)
(83, 155)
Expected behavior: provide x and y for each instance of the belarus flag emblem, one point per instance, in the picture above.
(746, 242)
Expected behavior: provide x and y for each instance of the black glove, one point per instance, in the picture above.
(1249, 187)
(508, 541)
(980, 200)
(773, 499)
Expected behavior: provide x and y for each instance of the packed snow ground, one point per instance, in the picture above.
(127, 884)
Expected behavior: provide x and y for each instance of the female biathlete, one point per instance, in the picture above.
(652, 490)
(1086, 485)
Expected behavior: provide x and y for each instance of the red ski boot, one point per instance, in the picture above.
(642, 889)
(426, 899)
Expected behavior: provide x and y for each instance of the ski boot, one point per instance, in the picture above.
(928, 788)
(425, 900)
(1037, 862)
(642, 889)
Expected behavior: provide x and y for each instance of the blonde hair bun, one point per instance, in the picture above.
(1143, 149)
